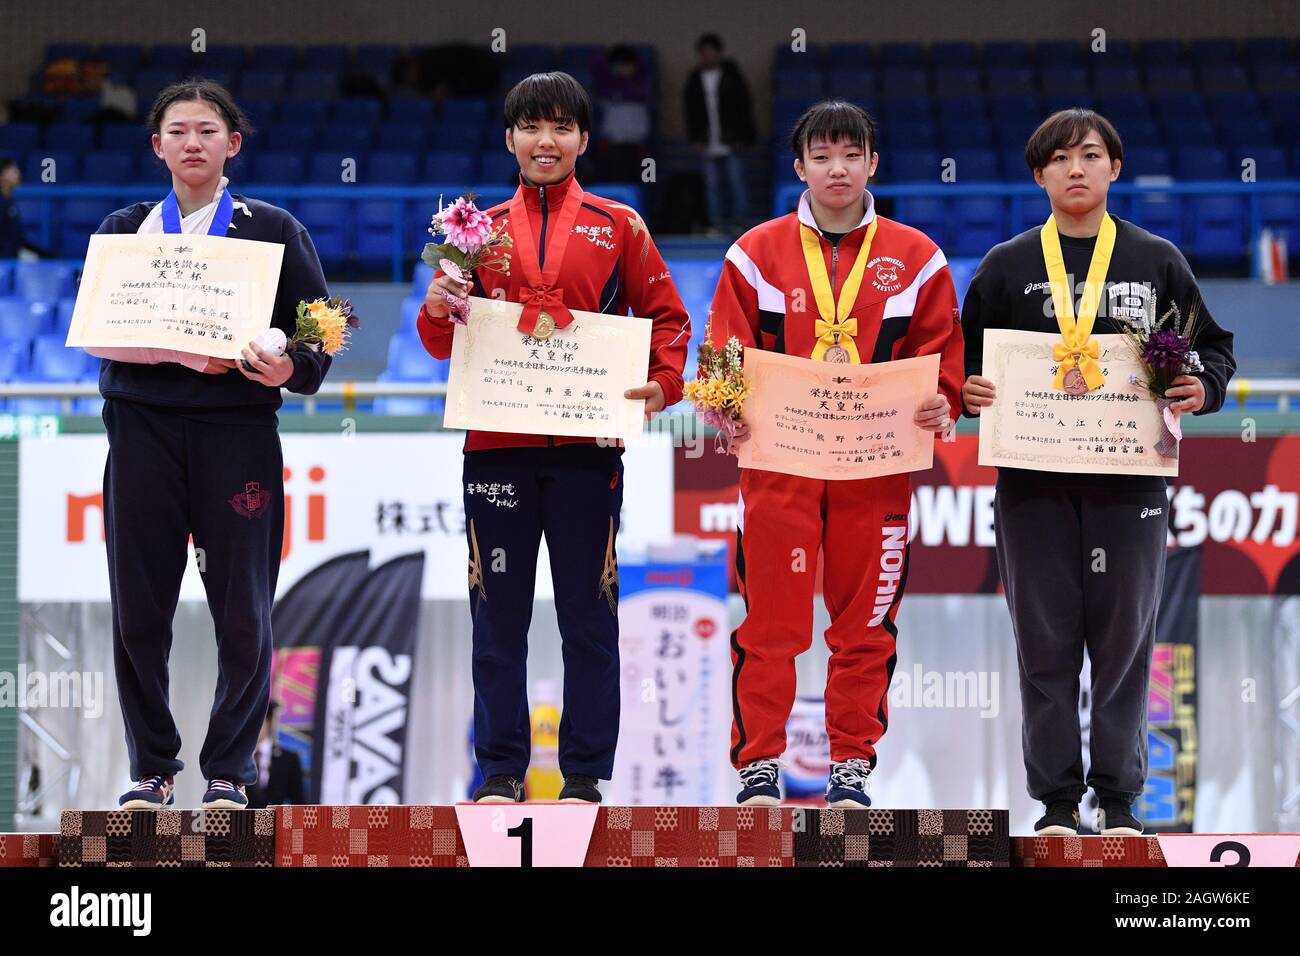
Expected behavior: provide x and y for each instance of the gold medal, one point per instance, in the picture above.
(1076, 354)
(836, 353)
(545, 326)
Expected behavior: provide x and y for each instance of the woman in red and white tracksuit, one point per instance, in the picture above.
(905, 306)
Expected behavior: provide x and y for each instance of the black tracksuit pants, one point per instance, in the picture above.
(170, 475)
(1082, 567)
(572, 494)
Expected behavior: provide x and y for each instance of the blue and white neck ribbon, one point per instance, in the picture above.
(225, 211)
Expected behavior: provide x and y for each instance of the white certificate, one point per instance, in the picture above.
(835, 421)
(1109, 430)
(572, 383)
(209, 295)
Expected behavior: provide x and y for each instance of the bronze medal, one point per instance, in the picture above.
(1074, 383)
(836, 353)
(544, 327)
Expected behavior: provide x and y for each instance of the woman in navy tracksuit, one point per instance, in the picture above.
(194, 450)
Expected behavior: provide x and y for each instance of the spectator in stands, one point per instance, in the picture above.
(720, 124)
(13, 241)
(194, 449)
(623, 93)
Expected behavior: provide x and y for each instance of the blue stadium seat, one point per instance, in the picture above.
(1247, 129)
(930, 214)
(1270, 161)
(798, 81)
(1120, 108)
(411, 308)
(1164, 78)
(1062, 80)
(499, 168)
(463, 111)
(291, 137)
(963, 109)
(1012, 79)
(327, 168)
(1282, 212)
(125, 59)
(314, 84)
(150, 82)
(1201, 162)
(52, 361)
(421, 276)
(44, 281)
(1147, 161)
(1059, 51)
(978, 224)
(6, 276)
(913, 165)
(1224, 78)
(959, 135)
(976, 165)
(1259, 49)
(81, 219)
(1214, 50)
(63, 314)
(902, 54)
(416, 110)
(1277, 77)
(908, 134)
(409, 361)
(1011, 163)
(278, 56)
(390, 167)
(118, 166)
(69, 136)
(904, 81)
(230, 58)
(957, 81)
(67, 165)
(1162, 214)
(13, 359)
(1141, 133)
(18, 323)
(852, 83)
(850, 56)
(1110, 78)
(263, 111)
(329, 222)
(1176, 108)
(263, 83)
(1227, 105)
(285, 167)
(696, 281)
(399, 136)
(335, 57)
(1163, 51)
(374, 225)
(1217, 226)
(448, 166)
(19, 137)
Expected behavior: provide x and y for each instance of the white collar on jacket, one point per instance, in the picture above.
(806, 216)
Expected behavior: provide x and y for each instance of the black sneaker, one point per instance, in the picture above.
(760, 784)
(224, 795)
(579, 788)
(500, 788)
(151, 793)
(1061, 819)
(1115, 818)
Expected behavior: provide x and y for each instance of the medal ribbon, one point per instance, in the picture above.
(1077, 342)
(225, 211)
(540, 293)
(835, 327)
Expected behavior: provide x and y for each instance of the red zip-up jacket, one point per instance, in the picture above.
(611, 266)
(906, 305)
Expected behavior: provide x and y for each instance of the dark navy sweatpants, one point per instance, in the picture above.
(573, 495)
(170, 475)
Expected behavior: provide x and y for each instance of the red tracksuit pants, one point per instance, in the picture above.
(861, 529)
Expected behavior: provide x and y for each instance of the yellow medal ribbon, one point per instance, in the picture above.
(835, 328)
(1077, 347)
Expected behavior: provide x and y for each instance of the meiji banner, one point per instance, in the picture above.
(388, 494)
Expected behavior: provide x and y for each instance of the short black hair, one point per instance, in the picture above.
(834, 120)
(709, 40)
(1066, 129)
(557, 97)
(198, 88)
(6, 162)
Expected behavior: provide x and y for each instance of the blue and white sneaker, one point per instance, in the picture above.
(760, 784)
(224, 795)
(151, 793)
(847, 788)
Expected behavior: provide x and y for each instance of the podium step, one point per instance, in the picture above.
(166, 838)
(941, 838)
(1091, 851)
(27, 849)
(316, 836)
(692, 836)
